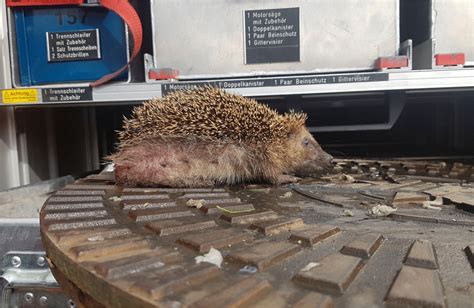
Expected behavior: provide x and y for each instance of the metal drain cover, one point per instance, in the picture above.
(308, 245)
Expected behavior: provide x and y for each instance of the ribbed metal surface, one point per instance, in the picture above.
(309, 243)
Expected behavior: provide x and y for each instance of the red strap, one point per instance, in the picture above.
(126, 11)
(42, 2)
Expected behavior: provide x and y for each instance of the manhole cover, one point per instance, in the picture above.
(337, 241)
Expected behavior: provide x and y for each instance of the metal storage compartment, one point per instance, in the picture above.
(222, 38)
(453, 27)
(66, 44)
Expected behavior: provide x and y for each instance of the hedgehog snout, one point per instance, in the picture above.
(317, 164)
(324, 162)
(328, 160)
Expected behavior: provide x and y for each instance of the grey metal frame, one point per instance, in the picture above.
(420, 80)
(404, 80)
(423, 80)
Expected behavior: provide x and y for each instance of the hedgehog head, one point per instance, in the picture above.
(306, 157)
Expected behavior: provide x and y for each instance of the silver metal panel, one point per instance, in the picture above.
(205, 38)
(453, 27)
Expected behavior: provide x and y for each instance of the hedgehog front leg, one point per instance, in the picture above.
(286, 179)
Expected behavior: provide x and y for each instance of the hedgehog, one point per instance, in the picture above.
(208, 137)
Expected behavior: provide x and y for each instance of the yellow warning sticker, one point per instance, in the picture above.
(18, 96)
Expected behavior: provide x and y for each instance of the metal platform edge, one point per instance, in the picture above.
(448, 79)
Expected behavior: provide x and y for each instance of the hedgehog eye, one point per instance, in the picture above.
(305, 141)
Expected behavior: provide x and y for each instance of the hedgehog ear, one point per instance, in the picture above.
(295, 120)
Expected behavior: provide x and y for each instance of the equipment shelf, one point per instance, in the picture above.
(334, 84)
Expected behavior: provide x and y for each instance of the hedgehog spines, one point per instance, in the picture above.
(208, 113)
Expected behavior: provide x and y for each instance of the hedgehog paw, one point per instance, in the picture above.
(286, 179)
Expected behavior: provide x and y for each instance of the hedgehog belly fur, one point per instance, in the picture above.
(178, 163)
